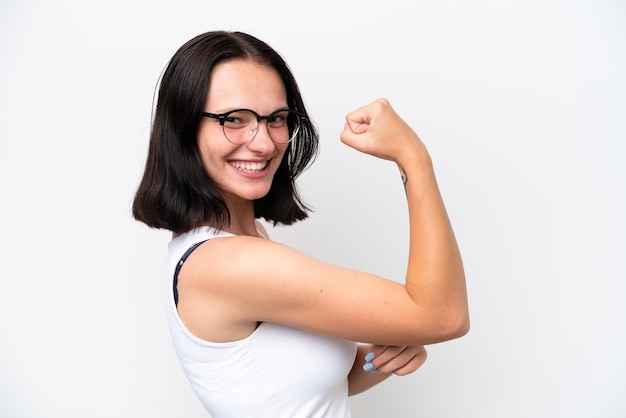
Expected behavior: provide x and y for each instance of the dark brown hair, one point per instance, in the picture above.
(176, 192)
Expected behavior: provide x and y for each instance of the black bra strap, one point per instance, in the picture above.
(179, 265)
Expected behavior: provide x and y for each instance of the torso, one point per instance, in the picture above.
(269, 372)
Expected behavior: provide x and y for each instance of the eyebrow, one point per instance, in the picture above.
(284, 107)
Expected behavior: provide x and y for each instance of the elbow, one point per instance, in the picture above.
(454, 326)
(461, 327)
(448, 326)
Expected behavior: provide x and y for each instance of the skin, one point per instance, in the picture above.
(388, 360)
(228, 285)
(236, 85)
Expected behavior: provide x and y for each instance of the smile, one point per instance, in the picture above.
(249, 167)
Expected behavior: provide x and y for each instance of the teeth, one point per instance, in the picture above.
(248, 167)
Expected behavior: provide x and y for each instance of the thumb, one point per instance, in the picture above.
(357, 123)
(359, 120)
(358, 126)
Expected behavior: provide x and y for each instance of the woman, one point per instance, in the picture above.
(261, 329)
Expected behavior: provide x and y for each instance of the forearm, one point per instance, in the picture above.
(435, 281)
(435, 278)
(360, 380)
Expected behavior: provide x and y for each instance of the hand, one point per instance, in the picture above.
(398, 360)
(376, 129)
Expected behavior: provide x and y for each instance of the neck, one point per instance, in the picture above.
(242, 221)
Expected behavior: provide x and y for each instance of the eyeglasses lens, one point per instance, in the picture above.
(242, 126)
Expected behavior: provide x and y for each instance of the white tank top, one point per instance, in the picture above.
(276, 372)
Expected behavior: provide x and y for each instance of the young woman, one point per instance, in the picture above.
(260, 329)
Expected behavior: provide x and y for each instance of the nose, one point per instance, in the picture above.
(262, 142)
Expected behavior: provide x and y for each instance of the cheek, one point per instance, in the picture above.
(213, 152)
(281, 161)
(213, 166)
(209, 162)
(282, 150)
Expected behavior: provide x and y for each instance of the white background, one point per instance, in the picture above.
(521, 103)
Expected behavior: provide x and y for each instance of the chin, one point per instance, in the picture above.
(247, 192)
(255, 194)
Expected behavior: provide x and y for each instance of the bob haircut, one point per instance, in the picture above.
(176, 193)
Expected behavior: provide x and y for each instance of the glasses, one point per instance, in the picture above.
(241, 125)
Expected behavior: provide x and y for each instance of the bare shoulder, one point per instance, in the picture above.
(230, 266)
(226, 253)
(217, 282)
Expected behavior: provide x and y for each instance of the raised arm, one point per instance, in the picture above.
(435, 279)
(243, 280)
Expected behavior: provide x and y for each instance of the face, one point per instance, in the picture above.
(242, 172)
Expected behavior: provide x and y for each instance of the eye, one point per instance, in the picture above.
(278, 120)
(239, 119)
(232, 120)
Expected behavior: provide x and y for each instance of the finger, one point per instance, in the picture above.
(370, 355)
(369, 129)
(379, 355)
(414, 364)
(358, 126)
(387, 353)
(357, 123)
(376, 351)
(359, 120)
(353, 133)
(393, 358)
(401, 360)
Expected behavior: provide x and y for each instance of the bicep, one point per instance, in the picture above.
(266, 281)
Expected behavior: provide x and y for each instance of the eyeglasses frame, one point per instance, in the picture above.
(221, 117)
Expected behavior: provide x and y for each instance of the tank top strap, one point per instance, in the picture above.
(180, 264)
